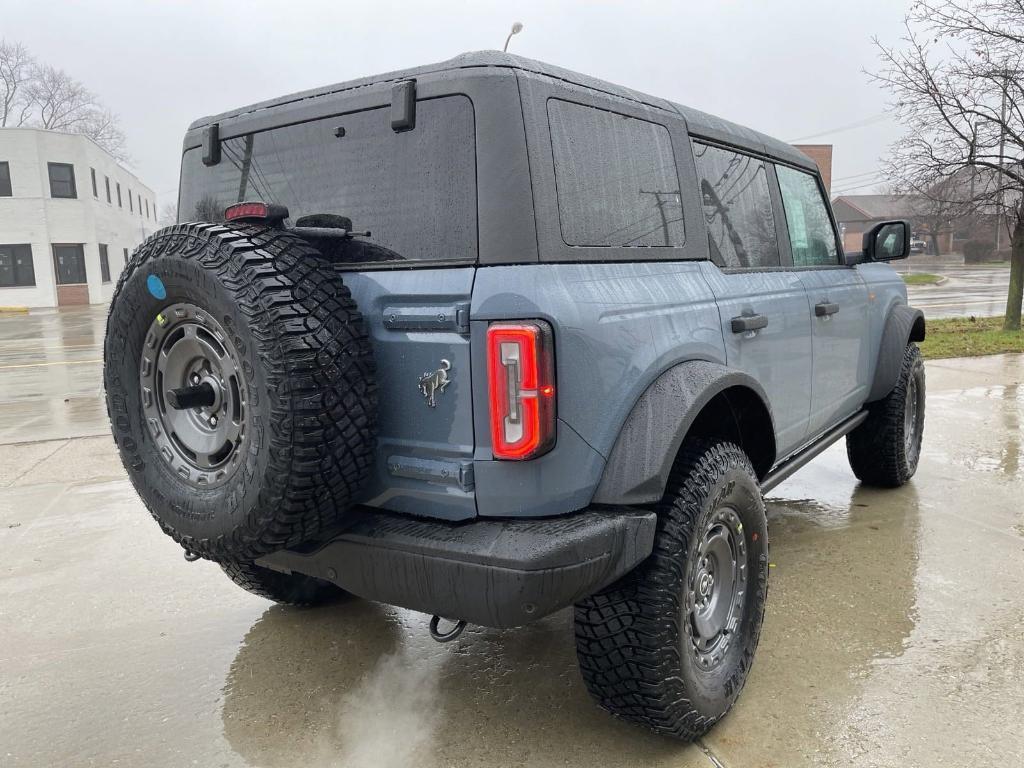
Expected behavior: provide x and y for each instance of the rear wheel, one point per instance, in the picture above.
(240, 388)
(284, 588)
(670, 645)
(885, 449)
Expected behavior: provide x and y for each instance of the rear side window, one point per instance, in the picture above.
(616, 178)
(810, 229)
(415, 191)
(737, 208)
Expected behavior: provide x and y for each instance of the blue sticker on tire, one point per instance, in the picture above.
(156, 287)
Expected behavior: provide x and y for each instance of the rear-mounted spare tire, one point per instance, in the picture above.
(240, 388)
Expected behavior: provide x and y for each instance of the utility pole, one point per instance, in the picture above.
(661, 209)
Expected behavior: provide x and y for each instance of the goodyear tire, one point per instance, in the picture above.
(240, 388)
(284, 588)
(885, 449)
(670, 645)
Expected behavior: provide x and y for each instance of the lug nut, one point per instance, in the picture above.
(213, 421)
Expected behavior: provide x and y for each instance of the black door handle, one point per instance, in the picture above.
(745, 323)
(825, 308)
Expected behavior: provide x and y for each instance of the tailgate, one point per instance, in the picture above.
(418, 321)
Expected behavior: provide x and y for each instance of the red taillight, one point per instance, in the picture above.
(261, 211)
(521, 389)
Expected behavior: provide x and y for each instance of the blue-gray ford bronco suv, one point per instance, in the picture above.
(489, 338)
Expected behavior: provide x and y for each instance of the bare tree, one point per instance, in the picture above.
(958, 82)
(43, 96)
(168, 214)
(16, 67)
(61, 103)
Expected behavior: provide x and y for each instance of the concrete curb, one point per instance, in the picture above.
(13, 310)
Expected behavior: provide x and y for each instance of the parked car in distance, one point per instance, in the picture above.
(917, 245)
(488, 338)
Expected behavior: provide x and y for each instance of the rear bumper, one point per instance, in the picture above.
(496, 573)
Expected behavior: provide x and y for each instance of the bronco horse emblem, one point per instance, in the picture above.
(434, 382)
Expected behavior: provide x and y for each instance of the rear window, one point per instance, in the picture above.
(616, 178)
(415, 191)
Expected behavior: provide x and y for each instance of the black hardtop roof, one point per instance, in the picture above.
(699, 123)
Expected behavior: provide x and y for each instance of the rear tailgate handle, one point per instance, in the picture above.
(825, 308)
(747, 323)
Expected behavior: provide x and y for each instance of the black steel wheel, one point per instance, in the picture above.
(240, 388)
(670, 645)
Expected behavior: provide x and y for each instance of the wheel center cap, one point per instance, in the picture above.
(704, 584)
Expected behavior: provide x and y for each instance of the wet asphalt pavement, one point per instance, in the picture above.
(894, 634)
(968, 290)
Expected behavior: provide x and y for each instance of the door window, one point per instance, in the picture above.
(69, 261)
(737, 208)
(811, 236)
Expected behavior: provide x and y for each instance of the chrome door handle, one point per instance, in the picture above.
(825, 308)
(747, 323)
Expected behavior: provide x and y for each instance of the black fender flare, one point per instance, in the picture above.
(903, 325)
(638, 467)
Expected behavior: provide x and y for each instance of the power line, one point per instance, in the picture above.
(848, 127)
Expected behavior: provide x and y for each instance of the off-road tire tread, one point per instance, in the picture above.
(628, 635)
(319, 366)
(287, 589)
(876, 448)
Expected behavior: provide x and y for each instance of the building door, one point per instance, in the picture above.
(69, 269)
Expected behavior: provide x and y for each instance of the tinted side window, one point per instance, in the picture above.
(810, 229)
(616, 178)
(737, 208)
(415, 191)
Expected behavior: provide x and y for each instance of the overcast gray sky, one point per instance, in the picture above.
(790, 68)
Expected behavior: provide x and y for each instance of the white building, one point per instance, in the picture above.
(70, 215)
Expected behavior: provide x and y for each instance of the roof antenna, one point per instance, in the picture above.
(517, 27)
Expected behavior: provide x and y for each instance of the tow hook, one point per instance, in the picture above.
(451, 634)
(191, 556)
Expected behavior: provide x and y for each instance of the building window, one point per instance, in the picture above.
(62, 180)
(69, 264)
(125, 262)
(16, 266)
(104, 264)
(95, 189)
(147, 209)
(5, 180)
(131, 208)
(106, 180)
(140, 205)
(119, 195)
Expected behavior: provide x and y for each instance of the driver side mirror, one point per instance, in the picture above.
(887, 241)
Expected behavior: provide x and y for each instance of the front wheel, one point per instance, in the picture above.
(885, 449)
(670, 645)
